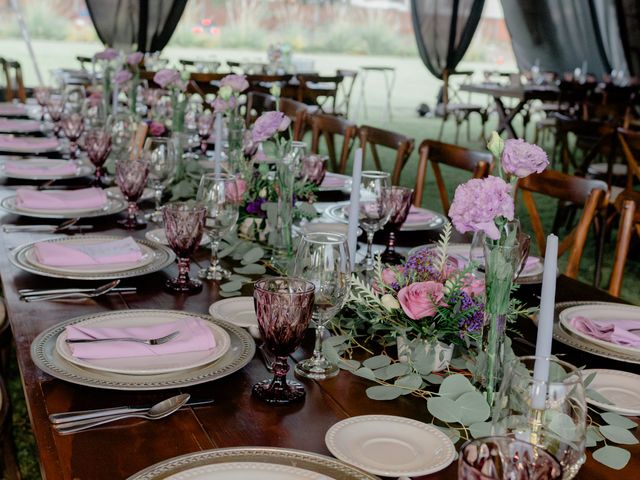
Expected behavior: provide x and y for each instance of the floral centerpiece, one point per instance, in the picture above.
(129, 74)
(227, 102)
(171, 80)
(106, 59)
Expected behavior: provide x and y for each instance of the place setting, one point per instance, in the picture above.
(44, 169)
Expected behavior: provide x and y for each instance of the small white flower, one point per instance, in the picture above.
(389, 302)
(263, 192)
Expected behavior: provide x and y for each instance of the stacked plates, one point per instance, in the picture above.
(234, 349)
(338, 213)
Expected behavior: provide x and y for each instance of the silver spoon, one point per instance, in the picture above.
(159, 410)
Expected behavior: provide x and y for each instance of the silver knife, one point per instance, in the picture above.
(29, 292)
(45, 228)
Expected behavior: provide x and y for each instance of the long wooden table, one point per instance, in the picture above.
(236, 418)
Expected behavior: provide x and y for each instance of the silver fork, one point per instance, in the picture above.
(149, 341)
(96, 292)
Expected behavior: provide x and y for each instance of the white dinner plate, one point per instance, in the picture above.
(148, 255)
(622, 389)
(337, 213)
(601, 312)
(158, 235)
(342, 182)
(237, 310)
(81, 171)
(113, 206)
(247, 470)
(150, 365)
(390, 446)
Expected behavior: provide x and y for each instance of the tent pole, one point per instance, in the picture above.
(27, 39)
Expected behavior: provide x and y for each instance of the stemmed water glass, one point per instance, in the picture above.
(221, 194)
(42, 95)
(550, 413)
(183, 226)
(374, 209)
(205, 127)
(283, 309)
(97, 143)
(131, 177)
(400, 203)
(72, 126)
(55, 109)
(323, 259)
(123, 126)
(161, 155)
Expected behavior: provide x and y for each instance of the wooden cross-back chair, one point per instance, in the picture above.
(13, 81)
(437, 153)
(329, 127)
(450, 105)
(319, 90)
(590, 194)
(630, 145)
(263, 83)
(297, 113)
(257, 104)
(373, 137)
(345, 89)
(627, 207)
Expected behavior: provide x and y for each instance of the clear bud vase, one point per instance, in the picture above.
(235, 148)
(281, 235)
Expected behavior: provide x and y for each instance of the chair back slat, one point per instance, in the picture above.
(374, 137)
(630, 143)
(328, 127)
(257, 104)
(297, 113)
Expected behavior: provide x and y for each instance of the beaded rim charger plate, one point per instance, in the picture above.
(113, 206)
(179, 468)
(44, 354)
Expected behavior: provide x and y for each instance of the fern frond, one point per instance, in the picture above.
(442, 247)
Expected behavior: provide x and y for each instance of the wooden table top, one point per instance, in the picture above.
(236, 418)
(521, 92)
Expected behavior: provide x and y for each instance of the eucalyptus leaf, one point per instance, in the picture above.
(230, 294)
(384, 392)
(618, 435)
(433, 378)
(562, 425)
(444, 409)
(455, 385)
(473, 408)
(587, 381)
(376, 362)
(410, 382)
(613, 457)
(392, 371)
(452, 433)
(459, 362)
(252, 269)
(618, 420)
(330, 352)
(593, 437)
(480, 429)
(307, 209)
(336, 340)
(252, 256)
(231, 286)
(240, 278)
(347, 364)
(365, 372)
(596, 396)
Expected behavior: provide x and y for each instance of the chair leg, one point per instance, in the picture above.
(444, 120)
(601, 235)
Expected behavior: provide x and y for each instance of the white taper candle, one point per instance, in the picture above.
(354, 206)
(217, 152)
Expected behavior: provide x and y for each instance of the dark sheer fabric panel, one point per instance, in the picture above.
(629, 24)
(443, 30)
(148, 24)
(561, 35)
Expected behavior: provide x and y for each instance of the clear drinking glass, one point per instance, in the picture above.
(123, 126)
(97, 143)
(502, 458)
(283, 309)
(400, 199)
(161, 155)
(375, 208)
(221, 194)
(323, 259)
(131, 177)
(72, 125)
(551, 414)
(183, 226)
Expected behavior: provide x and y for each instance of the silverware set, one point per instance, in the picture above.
(149, 341)
(35, 295)
(68, 226)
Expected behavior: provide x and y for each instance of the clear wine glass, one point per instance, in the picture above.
(123, 126)
(161, 155)
(97, 143)
(221, 194)
(183, 226)
(374, 209)
(72, 125)
(283, 309)
(549, 413)
(131, 177)
(323, 259)
(400, 199)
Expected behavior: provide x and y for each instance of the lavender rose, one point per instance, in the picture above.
(108, 54)
(122, 76)
(421, 299)
(135, 58)
(238, 83)
(167, 77)
(478, 202)
(521, 159)
(268, 124)
(220, 104)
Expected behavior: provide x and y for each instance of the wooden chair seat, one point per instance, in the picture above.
(328, 127)
(373, 138)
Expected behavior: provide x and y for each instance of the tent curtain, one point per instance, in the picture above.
(628, 19)
(563, 35)
(147, 24)
(443, 30)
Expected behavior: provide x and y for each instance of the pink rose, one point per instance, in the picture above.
(238, 83)
(122, 76)
(421, 299)
(220, 105)
(268, 124)
(235, 191)
(472, 286)
(167, 77)
(108, 54)
(135, 58)
(521, 159)
(156, 129)
(390, 276)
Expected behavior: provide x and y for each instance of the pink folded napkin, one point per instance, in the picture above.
(619, 332)
(12, 109)
(195, 336)
(531, 264)
(10, 125)
(332, 181)
(28, 143)
(418, 215)
(124, 250)
(85, 198)
(40, 167)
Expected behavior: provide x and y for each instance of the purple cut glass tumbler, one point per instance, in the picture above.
(400, 199)
(283, 307)
(131, 177)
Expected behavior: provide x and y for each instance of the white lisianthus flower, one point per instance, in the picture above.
(389, 302)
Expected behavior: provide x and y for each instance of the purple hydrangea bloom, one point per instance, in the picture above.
(238, 83)
(108, 54)
(167, 77)
(478, 202)
(255, 208)
(268, 124)
(470, 323)
(521, 159)
(122, 76)
(135, 58)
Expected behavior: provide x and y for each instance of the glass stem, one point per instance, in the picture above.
(132, 209)
(183, 270)
(280, 368)
(157, 193)
(214, 254)
(318, 356)
(369, 259)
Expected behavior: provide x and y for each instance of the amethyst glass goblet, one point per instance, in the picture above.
(205, 127)
(55, 109)
(72, 126)
(283, 307)
(314, 168)
(497, 458)
(400, 202)
(183, 226)
(42, 95)
(131, 177)
(97, 143)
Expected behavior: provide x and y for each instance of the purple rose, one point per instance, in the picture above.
(122, 76)
(108, 54)
(521, 159)
(135, 58)
(167, 77)
(238, 83)
(478, 202)
(156, 129)
(268, 124)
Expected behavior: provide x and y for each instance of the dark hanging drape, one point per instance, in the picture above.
(628, 17)
(443, 30)
(561, 35)
(147, 24)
